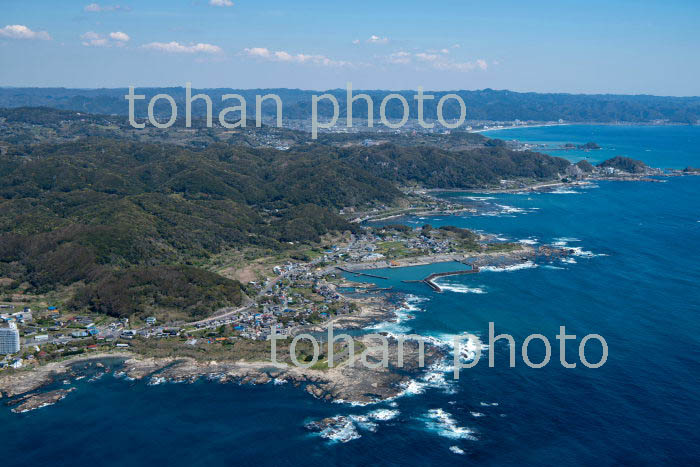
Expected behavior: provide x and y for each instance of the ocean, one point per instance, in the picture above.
(634, 280)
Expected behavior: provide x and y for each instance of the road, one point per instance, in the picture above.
(234, 312)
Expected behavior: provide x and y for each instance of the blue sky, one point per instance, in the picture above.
(590, 46)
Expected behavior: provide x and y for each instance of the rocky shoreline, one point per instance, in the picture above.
(343, 382)
(37, 401)
(524, 252)
(355, 384)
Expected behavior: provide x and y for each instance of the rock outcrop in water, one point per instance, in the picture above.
(36, 401)
(342, 382)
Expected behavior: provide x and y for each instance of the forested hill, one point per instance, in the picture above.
(127, 222)
(487, 104)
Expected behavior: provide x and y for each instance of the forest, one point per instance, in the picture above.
(129, 223)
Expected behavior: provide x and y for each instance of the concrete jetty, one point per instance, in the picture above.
(361, 273)
(430, 280)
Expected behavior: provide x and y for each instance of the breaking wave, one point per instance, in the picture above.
(342, 428)
(445, 425)
(513, 267)
(529, 241)
(401, 315)
(460, 288)
(383, 414)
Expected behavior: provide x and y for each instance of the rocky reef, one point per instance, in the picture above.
(351, 383)
(38, 400)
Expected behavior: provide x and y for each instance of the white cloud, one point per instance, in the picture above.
(282, 56)
(438, 61)
(120, 36)
(427, 57)
(258, 52)
(377, 40)
(478, 64)
(93, 39)
(96, 8)
(400, 58)
(176, 47)
(18, 31)
(356, 41)
(220, 3)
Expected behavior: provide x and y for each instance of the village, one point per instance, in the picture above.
(295, 295)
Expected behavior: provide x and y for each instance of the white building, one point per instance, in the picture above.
(9, 340)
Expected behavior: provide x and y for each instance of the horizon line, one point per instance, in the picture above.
(6, 87)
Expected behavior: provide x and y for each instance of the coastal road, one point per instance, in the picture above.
(228, 314)
(232, 313)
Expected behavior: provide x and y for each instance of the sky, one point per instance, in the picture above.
(612, 46)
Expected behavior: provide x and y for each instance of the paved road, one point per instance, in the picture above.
(234, 312)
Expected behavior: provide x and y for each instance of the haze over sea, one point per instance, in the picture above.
(634, 280)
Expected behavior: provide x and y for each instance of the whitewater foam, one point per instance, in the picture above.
(564, 191)
(445, 425)
(514, 267)
(343, 432)
(529, 241)
(363, 421)
(578, 251)
(460, 288)
(401, 315)
(383, 414)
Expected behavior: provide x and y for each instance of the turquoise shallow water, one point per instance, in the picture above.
(635, 281)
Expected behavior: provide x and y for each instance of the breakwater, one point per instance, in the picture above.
(361, 273)
(430, 280)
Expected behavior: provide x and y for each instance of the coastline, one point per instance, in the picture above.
(647, 124)
(530, 126)
(341, 383)
(424, 260)
(533, 188)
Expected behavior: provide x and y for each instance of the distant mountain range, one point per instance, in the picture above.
(487, 104)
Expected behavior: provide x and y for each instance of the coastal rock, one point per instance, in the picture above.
(24, 381)
(37, 401)
(552, 251)
(315, 391)
(262, 379)
(338, 428)
(352, 383)
(139, 368)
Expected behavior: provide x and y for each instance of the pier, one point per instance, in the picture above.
(361, 273)
(430, 280)
(379, 289)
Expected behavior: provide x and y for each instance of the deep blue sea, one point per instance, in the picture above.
(635, 280)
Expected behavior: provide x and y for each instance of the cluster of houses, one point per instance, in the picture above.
(8, 314)
(302, 294)
(284, 307)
